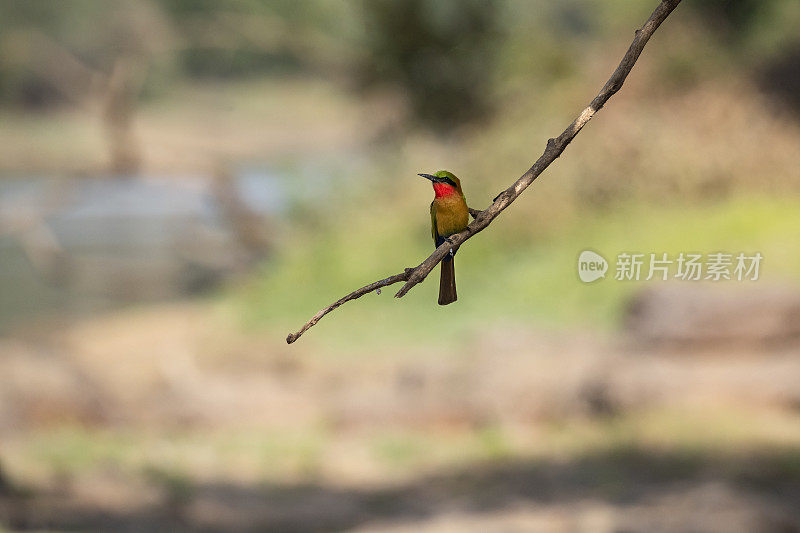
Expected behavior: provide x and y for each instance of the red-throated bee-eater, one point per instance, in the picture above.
(449, 215)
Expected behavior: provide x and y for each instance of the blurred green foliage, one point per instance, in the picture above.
(734, 17)
(446, 57)
(440, 51)
(524, 63)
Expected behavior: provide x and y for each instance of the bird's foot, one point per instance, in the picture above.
(452, 251)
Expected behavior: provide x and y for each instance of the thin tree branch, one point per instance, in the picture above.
(554, 148)
(366, 289)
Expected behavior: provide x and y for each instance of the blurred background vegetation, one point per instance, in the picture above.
(183, 182)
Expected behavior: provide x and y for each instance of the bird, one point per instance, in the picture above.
(449, 215)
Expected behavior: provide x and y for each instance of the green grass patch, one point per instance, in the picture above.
(502, 281)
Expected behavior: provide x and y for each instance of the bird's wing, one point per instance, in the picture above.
(437, 240)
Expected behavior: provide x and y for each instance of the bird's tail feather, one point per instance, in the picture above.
(447, 282)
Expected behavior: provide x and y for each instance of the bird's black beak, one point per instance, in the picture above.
(429, 177)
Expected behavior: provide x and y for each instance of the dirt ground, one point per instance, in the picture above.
(209, 429)
(632, 491)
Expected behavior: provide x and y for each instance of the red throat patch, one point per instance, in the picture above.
(443, 189)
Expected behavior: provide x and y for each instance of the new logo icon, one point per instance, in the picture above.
(591, 266)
